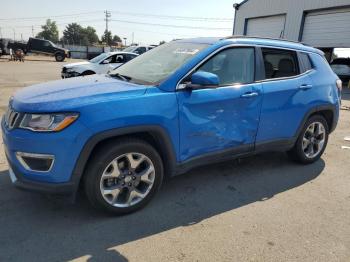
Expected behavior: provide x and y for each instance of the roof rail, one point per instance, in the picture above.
(268, 38)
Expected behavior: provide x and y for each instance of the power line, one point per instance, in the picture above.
(67, 23)
(49, 16)
(130, 22)
(192, 18)
(171, 25)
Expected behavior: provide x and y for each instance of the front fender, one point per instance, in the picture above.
(167, 150)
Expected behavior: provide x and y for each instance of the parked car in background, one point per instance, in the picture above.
(341, 66)
(40, 46)
(138, 49)
(184, 104)
(3, 45)
(99, 65)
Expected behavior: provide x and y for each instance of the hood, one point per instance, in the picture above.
(73, 93)
(76, 64)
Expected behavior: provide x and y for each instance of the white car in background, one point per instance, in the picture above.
(136, 49)
(101, 64)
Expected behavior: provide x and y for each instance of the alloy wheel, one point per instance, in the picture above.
(127, 180)
(314, 139)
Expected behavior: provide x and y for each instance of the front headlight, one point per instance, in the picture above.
(47, 122)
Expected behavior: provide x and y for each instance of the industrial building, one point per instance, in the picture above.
(324, 24)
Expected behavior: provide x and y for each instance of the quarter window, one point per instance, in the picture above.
(305, 62)
(279, 63)
(232, 66)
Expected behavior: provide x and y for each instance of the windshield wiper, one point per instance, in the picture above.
(122, 77)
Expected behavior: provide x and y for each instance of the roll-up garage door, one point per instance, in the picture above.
(269, 26)
(329, 28)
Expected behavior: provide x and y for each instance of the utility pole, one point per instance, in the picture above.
(125, 40)
(107, 18)
(21, 37)
(32, 31)
(0, 33)
(14, 34)
(132, 41)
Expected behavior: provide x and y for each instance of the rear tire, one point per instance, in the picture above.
(123, 176)
(312, 141)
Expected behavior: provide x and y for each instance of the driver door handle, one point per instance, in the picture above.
(305, 87)
(250, 94)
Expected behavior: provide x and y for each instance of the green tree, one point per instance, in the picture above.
(107, 37)
(49, 31)
(73, 34)
(76, 34)
(116, 39)
(90, 34)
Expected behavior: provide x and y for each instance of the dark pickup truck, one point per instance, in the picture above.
(41, 46)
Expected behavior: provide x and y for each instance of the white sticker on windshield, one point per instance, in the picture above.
(186, 51)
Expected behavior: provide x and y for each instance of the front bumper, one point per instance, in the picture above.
(21, 182)
(65, 146)
(69, 74)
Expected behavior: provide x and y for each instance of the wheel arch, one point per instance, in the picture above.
(155, 135)
(327, 111)
(58, 52)
(87, 72)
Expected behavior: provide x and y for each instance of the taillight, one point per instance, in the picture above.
(339, 84)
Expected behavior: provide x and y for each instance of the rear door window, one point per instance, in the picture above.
(280, 63)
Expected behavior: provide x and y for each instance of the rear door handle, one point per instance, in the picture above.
(250, 94)
(305, 87)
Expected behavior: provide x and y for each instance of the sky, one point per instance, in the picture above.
(166, 20)
(139, 21)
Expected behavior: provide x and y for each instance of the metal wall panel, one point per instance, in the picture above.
(270, 26)
(295, 10)
(328, 28)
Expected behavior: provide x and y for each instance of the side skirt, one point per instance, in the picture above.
(234, 153)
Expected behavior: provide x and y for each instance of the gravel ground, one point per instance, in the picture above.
(263, 208)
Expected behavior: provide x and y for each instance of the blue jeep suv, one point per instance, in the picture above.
(183, 104)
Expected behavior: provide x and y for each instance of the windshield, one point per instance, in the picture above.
(129, 49)
(99, 58)
(157, 64)
(52, 44)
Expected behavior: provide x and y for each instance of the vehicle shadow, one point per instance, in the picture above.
(48, 229)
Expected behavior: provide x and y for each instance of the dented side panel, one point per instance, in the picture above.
(217, 119)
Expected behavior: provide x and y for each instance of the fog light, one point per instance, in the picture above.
(36, 162)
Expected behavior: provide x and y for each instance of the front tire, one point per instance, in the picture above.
(312, 141)
(59, 57)
(123, 176)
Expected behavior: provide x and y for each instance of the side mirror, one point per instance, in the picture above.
(105, 62)
(202, 79)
